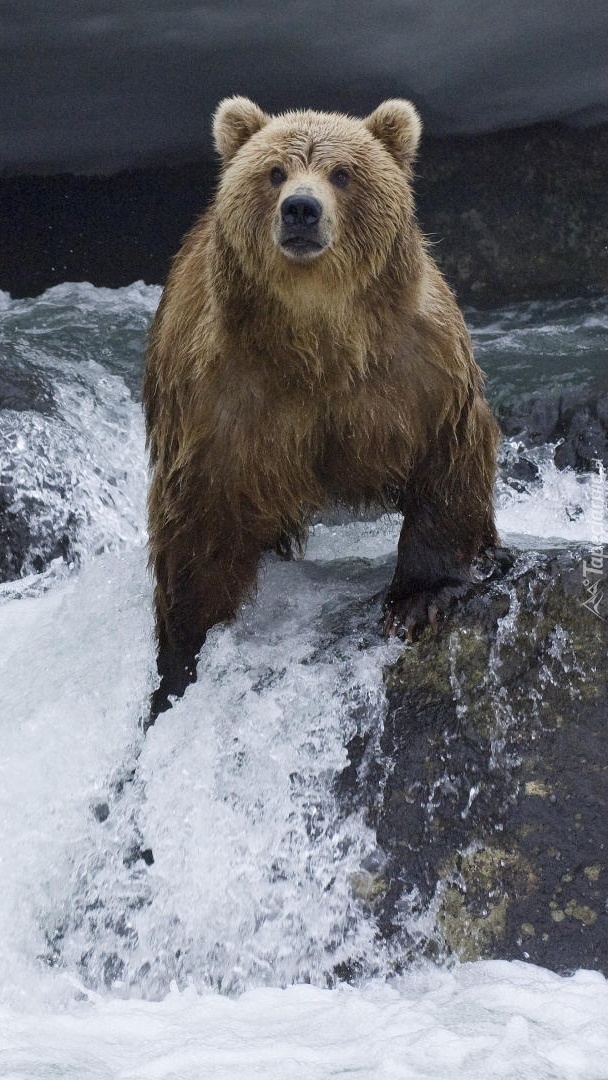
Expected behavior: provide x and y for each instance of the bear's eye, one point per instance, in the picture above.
(340, 177)
(278, 176)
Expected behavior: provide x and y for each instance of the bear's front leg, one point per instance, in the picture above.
(430, 574)
(448, 522)
(195, 589)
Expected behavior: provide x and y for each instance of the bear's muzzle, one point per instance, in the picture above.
(301, 233)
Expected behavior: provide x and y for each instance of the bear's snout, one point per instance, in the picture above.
(301, 233)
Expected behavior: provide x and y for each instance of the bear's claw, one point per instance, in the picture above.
(408, 617)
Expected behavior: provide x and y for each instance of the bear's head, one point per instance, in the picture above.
(311, 201)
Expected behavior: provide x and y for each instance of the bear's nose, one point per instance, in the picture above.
(301, 210)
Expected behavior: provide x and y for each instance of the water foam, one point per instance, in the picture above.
(232, 795)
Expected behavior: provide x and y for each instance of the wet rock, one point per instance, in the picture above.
(494, 813)
(29, 539)
(575, 420)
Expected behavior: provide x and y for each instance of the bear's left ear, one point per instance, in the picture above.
(236, 120)
(397, 125)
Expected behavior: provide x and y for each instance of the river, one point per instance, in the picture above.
(179, 905)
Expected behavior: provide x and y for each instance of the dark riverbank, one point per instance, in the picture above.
(512, 215)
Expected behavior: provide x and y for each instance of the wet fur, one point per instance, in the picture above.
(273, 388)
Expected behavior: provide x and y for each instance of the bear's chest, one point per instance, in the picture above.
(335, 434)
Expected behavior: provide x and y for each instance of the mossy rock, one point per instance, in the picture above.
(494, 813)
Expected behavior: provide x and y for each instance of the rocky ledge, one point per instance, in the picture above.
(493, 818)
(518, 214)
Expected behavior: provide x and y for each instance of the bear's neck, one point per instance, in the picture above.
(319, 335)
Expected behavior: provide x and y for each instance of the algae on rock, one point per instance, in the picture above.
(494, 815)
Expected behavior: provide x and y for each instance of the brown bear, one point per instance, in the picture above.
(306, 351)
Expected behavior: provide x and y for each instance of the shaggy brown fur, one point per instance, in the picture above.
(306, 350)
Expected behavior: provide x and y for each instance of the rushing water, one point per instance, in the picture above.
(177, 906)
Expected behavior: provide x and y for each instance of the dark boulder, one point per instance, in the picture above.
(493, 816)
(518, 214)
(573, 419)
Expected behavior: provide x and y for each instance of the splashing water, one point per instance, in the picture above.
(215, 854)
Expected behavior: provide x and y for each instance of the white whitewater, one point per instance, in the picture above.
(217, 958)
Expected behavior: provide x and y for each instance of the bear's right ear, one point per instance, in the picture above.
(236, 120)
